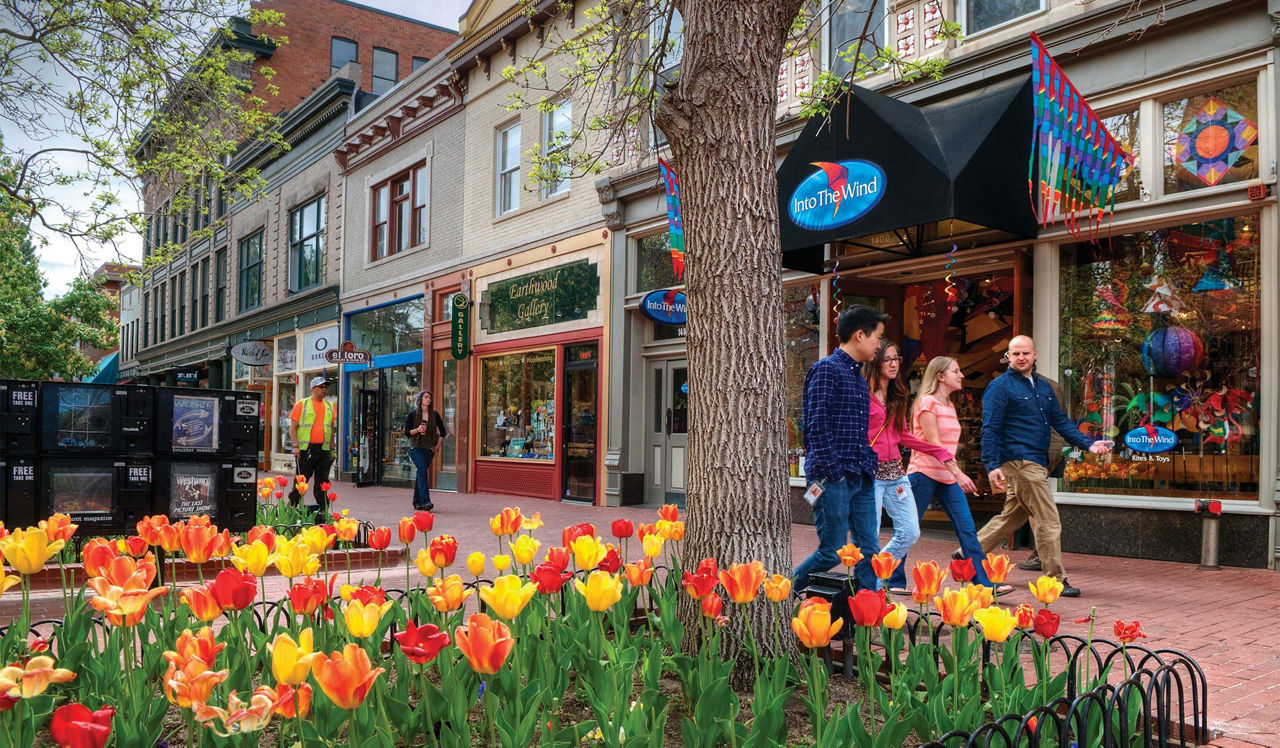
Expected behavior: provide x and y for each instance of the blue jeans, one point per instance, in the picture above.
(422, 479)
(844, 508)
(956, 506)
(897, 498)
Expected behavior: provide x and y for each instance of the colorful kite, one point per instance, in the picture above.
(1213, 140)
(674, 222)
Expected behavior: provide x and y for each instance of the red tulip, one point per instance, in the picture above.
(558, 557)
(1129, 633)
(1046, 623)
(868, 608)
(307, 596)
(962, 570)
(136, 546)
(234, 590)
(622, 528)
(669, 512)
(700, 583)
(549, 577)
(74, 726)
(333, 496)
(424, 521)
(265, 533)
(325, 486)
(380, 538)
(611, 561)
(368, 594)
(442, 550)
(421, 644)
(571, 534)
(712, 606)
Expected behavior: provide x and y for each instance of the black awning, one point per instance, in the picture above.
(878, 164)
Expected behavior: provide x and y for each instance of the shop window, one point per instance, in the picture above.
(1161, 329)
(653, 263)
(251, 272)
(395, 328)
(306, 245)
(446, 307)
(844, 29)
(517, 405)
(385, 63)
(285, 398)
(1125, 127)
(508, 162)
(341, 51)
(557, 131)
(801, 310)
(1211, 138)
(286, 354)
(980, 15)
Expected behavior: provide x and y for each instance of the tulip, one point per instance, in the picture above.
(204, 606)
(282, 481)
(639, 574)
(240, 718)
(448, 594)
(475, 563)
(501, 562)
(955, 606)
(423, 561)
(75, 726)
(612, 560)
(601, 591)
(669, 512)
(125, 605)
(884, 564)
(1128, 633)
(421, 644)
(549, 578)
(407, 530)
(622, 528)
(30, 679)
(677, 531)
(123, 571)
(996, 622)
(380, 538)
(443, 549)
(1046, 589)
(506, 522)
(558, 556)
(234, 590)
(135, 546)
(574, 532)
(170, 537)
(1046, 622)
(27, 551)
(587, 552)
(652, 545)
(703, 580)
(291, 661)
(712, 606)
(868, 608)
(346, 676)
(200, 645)
(264, 534)
(307, 596)
(1025, 615)
(812, 624)
(149, 528)
(743, 581)
(347, 529)
(485, 643)
(962, 570)
(97, 553)
(645, 530)
(200, 542)
(507, 596)
(58, 527)
(777, 588)
(254, 558)
(297, 703)
(365, 593)
(665, 529)
(423, 521)
(535, 521)
(362, 619)
(850, 555)
(997, 566)
(980, 594)
(191, 683)
(524, 548)
(896, 617)
(928, 580)
(295, 559)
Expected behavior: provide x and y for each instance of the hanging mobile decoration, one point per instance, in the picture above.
(675, 223)
(952, 295)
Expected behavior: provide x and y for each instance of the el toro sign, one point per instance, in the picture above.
(347, 354)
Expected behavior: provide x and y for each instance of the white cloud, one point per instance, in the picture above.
(439, 12)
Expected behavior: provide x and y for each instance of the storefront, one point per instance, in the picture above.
(537, 374)
(298, 357)
(257, 378)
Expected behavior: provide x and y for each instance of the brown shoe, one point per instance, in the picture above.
(1032, 563)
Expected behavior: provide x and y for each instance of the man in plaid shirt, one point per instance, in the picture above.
(838, 457)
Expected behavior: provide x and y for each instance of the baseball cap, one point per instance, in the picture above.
(319, 381)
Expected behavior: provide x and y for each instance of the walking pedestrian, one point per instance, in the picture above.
(1018, 411)
(425, 429)
(839, 462)
(934, 421)
(890, 401)
(313, 420)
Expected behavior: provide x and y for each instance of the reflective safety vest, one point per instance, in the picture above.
(308, 420)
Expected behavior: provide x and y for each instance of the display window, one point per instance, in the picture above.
(286, 354)
(395, 328)
(801, 309)
(653, 263)
(1211, 138)
(1126, 127)
(286, 396)
(1160, 351)
(517, 405)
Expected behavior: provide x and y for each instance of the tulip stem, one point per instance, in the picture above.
(430, 726)
(406, 568)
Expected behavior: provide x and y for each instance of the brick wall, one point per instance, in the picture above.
(303, 63)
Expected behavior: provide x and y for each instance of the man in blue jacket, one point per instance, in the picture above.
(839, 461)
(1018, 411)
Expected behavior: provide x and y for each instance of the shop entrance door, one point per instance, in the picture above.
(446, 403)
(668, 432)
(578, 456)
(368, 419)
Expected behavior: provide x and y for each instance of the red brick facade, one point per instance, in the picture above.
(302, 64)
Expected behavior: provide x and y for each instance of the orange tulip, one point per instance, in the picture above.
(506, 522)
(884, 564)
(850, 555)
(58, 527)
(485, 643)
(149, 528)
(192, 682)
(669, 512)
(712, 606)
(32, 678)
(97, 553)
(639, 574)
(407, 530)
(777, 588)
(928, 579)
(813, 625)
(170, 537)
(346, 676)
(298, 702)
(997, 567)
(743, 581)
(200, 645)
(448, 594)
(204, 606)
(443, 549)
(980, 594)
(956, 607)
(201, 542)
(124, 591)
(347, 529)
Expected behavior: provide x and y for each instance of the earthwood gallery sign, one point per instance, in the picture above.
(560, 294)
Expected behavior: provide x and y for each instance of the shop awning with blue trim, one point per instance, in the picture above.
(108, 370)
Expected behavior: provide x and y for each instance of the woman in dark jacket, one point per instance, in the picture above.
(424, 428)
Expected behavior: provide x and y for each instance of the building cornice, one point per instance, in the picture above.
(413, 111)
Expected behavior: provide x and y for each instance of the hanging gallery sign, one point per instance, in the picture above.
(252, 353)
(460, 327)
(544, 297)
(665, 307)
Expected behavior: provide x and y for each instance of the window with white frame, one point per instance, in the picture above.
(557, 130)
(306, 244)
(844, 28)
(980, 15)
(508, 162)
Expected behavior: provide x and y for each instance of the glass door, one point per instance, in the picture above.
(446, 402)
(581, 386)
(367, 458)
(668, 440)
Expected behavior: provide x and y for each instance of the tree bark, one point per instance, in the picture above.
(720, 120)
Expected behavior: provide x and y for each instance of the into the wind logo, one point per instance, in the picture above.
(836, 194)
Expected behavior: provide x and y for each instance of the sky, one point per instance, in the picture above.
(62, 262)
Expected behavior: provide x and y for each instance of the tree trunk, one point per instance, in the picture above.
(720, 121)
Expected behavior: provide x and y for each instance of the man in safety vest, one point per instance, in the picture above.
(313, 421)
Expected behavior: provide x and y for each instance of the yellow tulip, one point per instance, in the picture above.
(254, 558)
(777, 588)
(296, 559)
(507, 596)
(32, 679)
(501, 562)
(1046, 589)
(449, 593)
(983, 596)
(601, 591)
(316, 539)
(475, 563)
(524, 549)
(362, 620)
(896, 617)
(27, 551)
(955, 607)
(996, 622)
(587, 552)
(812, 623)
(425, 566)
(347, 528)
(534, 522)
(653, 545)
(290, 660)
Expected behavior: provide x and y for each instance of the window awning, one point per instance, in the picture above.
(108, 370)
(879, 166)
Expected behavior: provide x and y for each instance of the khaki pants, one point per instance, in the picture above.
(1028, 496)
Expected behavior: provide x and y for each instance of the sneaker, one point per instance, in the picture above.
(1031, 564)
(1068, 590)
(429, 507)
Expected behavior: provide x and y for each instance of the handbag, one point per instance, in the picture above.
(887, 469)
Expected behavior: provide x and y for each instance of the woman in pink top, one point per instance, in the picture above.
(934, 421)
(887, 432)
